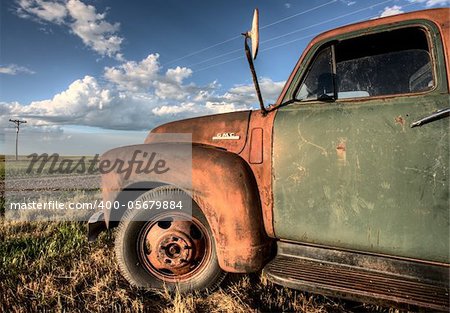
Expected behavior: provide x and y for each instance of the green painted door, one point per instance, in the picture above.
(353, 174)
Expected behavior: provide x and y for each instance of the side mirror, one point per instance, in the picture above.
(253, 35)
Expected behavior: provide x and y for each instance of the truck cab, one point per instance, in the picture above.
(340, 188)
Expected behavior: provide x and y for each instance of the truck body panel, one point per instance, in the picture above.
(355, 175)
(352, 173)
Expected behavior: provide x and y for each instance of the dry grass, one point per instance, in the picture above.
(50, 267)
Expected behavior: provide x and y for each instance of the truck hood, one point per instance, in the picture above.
(227, 131)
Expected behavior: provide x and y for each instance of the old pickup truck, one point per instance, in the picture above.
(339, 188)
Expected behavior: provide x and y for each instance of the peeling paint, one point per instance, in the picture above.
(341, 151)
(399, 120)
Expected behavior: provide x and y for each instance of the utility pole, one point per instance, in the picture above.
(17, 122)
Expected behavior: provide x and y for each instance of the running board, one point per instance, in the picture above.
(361, 277)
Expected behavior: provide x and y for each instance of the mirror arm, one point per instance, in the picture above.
(255, 78)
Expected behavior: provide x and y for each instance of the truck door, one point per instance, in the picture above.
(348, 170)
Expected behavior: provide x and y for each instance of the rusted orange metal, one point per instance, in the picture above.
(243, 125)
(224, 187)
(170, 253)
(256, 146)
(263, 171)
(204, 130)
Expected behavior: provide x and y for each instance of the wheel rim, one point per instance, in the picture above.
(175, 247)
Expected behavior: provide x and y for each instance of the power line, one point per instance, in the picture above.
(204, 49)
(215, 57)
(357, 21)
(270, 48)
(262, 42)
(298, 14)
(327, 21)
(287, 34)
(271, 24)
(217, 64)
(308, 36)
(239, 36)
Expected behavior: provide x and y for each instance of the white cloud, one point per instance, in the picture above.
(224, 107)
(178, 74)
(167, 90)
(174, 109)
(394, 10)
(48, 11)
(13, 69)
(134, 76)
(246, 93)
(145, 76)
(136, 96)
(86, 102)
(92, 28)
(348, 3)
(432, 3)
(171, 85)
(82, 20)
(81, 96)
(287, 5)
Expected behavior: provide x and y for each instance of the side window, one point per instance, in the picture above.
(319, 81)
(387, 63)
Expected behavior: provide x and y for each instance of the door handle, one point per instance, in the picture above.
(439, 114)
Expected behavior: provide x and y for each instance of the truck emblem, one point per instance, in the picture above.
(225, 136)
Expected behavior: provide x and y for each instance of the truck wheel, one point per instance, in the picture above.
(166, 248)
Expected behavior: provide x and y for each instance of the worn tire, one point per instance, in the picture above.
(156, 254)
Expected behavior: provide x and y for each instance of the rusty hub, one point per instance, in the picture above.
(174, 250)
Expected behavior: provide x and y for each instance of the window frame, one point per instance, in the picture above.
(433, 38)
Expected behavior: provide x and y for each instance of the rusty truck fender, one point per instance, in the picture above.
(224, 188)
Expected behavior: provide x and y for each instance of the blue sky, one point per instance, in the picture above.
(132, 65)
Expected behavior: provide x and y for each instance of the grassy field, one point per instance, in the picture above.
(52, 267)
(2, 185)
